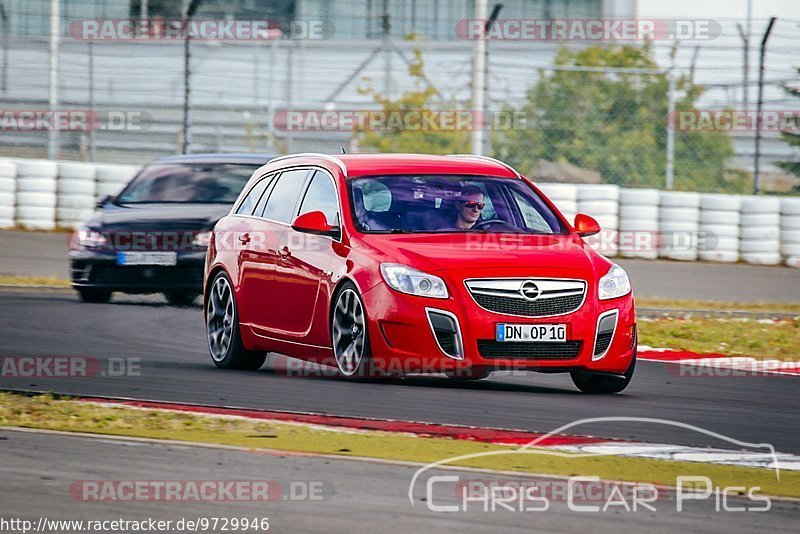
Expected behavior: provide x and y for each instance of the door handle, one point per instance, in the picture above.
(244, 239)
(284, 252)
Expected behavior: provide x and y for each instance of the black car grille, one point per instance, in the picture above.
(526, 308)
(184, 276)
(602, 343)
(489, 348)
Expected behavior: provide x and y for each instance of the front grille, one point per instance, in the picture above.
(489, 348)
(538, 308)
(147, 276)
(528, 297)
(603, 341)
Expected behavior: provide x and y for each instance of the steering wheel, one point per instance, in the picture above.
(482, 224)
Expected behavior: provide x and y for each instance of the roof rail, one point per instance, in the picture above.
(487, 158)
(332, 159)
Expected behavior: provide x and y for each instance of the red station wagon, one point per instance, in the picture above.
(388, 264)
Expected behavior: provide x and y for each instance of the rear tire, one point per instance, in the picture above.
(95, 296)
(222, 329)
(600, 384)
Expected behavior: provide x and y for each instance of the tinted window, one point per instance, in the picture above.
(449, 203)
(250, 201)
(218, 183)
(259, 211)
(321, 196)
(283, 198)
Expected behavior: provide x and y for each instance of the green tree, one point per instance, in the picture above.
(422, 99)
(616, 123)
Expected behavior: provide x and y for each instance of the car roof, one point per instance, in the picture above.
(355, 165)
(217, 157)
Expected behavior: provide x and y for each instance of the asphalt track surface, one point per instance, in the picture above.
(356, 496)
(168, 346)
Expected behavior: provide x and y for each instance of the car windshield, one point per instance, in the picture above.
(449, 203)
(217, 183)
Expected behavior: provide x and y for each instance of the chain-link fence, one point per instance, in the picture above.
(644, 113)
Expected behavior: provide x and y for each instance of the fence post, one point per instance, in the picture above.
(55, 36)
(670, 177)
(759, 105)
(91, 101)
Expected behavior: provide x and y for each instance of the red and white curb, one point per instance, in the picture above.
(555, 441)
(692, 364)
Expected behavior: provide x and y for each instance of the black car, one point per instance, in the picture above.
(152, 237)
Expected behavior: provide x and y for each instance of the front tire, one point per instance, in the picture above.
(599, 384)
(349, 335)
(222, 329)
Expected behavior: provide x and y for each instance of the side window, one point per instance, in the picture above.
(533, 219)
(321, 196)
(283, 198)
(249, 203)
(259, 211)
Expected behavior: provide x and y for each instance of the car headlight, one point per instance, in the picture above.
(408, 280)
(87, 237)
(614, 284)
(202, 239)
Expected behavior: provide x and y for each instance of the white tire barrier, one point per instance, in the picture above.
(639, 197)
(556, 191)
(760, 230)
(103, 190)
(677, 199)
(598, 192)
(728, 218)
(598, 208)
(118, 174)
(639, 212)
(69, 186)
(762, 258)
(36, 167)
(721, 256)
(679, 225)
(8, 184)
(8, 169)
(720, 230)
(719, 202)
(789, 206)
(33, 199)
(8, 187)
(36, 184)
(790, 222)
(73, 170)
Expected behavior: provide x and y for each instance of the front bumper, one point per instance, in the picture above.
(99, 269)
(403, 339)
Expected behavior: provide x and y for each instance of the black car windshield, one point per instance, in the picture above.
(449, 203)
(217, 183)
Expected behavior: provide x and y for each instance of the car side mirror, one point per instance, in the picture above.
(102, 201)
(586, 226)
(315, 222)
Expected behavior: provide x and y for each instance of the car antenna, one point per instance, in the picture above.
(343, 152)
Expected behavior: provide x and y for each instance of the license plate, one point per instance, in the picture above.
(147, 258)
(549, 333)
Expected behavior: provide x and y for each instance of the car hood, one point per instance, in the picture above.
(167, 216)
(484, 252)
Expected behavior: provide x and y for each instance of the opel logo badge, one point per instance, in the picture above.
(529, 290)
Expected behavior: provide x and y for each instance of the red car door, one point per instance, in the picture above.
(303, 264)
(270, 221)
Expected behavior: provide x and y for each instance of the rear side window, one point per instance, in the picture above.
(251, 200)
(284, 196)
(321, 196)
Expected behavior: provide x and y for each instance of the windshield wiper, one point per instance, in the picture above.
(398, 231)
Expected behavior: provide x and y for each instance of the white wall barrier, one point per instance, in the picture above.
(636, 223)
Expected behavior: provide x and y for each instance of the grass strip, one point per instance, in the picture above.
(758, 338)
(14, 280)
(45, 412)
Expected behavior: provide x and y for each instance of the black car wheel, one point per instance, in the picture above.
(222, 326)
(97, 296)
(600, 384)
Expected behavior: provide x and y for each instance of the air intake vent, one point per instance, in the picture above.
(606, 324)
(446, 332)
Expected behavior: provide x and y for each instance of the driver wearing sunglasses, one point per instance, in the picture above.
(469, 207)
